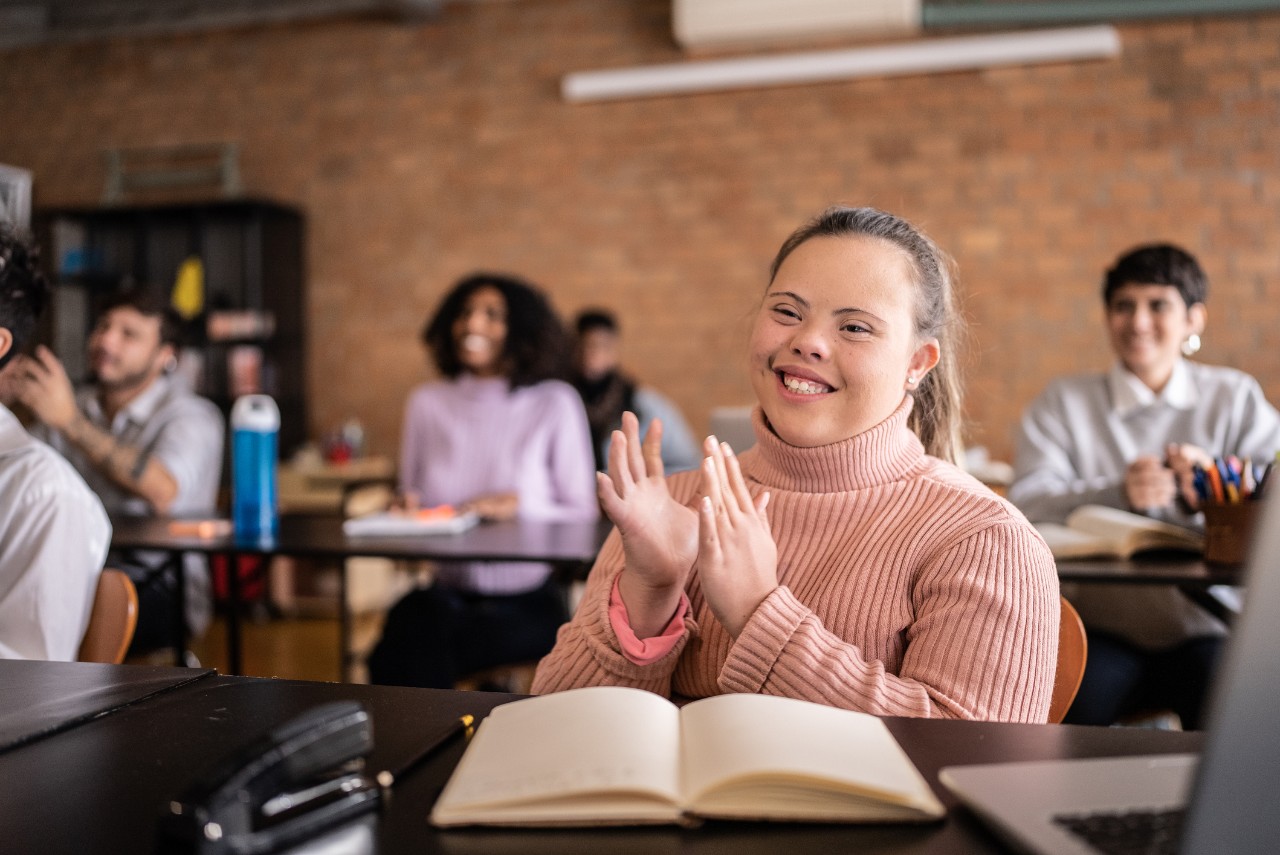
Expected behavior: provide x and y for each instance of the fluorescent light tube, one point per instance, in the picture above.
(930, 55)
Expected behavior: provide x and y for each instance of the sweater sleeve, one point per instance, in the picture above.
(587, 650)
(571, 466)
(412, 451)
(1047, 484)
(983, 644)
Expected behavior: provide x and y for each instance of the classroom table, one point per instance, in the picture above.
(1190, 573)
(570, 546)
(39, 701)
(101, 787)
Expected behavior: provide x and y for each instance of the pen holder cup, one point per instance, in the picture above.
(1228, 531)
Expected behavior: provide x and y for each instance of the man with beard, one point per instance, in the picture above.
(143, 442)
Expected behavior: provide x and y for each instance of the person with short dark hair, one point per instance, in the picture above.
(504, 435)
(143, 441)
(608, 392)
(1128, 439)
(54, 533)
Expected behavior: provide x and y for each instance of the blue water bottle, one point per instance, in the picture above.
(255, 428)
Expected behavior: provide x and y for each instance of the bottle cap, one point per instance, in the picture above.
(256, 413)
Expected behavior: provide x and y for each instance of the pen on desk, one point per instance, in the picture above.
(462, 726)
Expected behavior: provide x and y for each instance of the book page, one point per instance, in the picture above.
(1131, 532)
(762, 757)
(401, 524)
(1066, 542)
(608, 754)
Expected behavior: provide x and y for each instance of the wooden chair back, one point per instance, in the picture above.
(112, 621)
(1073, 651)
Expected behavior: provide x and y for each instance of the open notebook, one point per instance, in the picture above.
(1222, 801)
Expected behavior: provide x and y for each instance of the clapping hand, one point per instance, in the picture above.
(737, 556)
(659, 535)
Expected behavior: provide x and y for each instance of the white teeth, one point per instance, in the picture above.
(474, 342)
(803, 387)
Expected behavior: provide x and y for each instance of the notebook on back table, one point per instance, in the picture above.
(1226, 800)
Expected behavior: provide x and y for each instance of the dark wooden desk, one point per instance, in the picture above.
(569, 545)
(1158, 568)
(1190, 573)
(39, 701)
(100, 787)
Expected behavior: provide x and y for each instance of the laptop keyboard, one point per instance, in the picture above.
(1130, 832)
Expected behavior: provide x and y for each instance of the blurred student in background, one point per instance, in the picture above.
(54, 533)
(607, 393)
(1128, 439)
(503, 434)
(844, 559)
(143, 441)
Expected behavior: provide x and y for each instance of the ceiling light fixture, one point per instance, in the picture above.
(958, 53)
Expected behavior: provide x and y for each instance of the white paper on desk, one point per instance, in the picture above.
(390, 524)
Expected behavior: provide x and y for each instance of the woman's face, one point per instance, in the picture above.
(1148, 324)
(834, 341)
(480, 332)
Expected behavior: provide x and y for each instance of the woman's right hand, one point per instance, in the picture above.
(659, 535)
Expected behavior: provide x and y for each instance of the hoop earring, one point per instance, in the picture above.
(1191, 346)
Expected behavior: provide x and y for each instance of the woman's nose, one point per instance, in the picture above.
(810, 343)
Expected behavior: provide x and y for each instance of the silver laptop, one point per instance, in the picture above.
(1225, 801)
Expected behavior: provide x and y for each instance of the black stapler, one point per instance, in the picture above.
(299, 779)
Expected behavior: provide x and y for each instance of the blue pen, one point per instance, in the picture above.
(1230, 484)
(1200, 482)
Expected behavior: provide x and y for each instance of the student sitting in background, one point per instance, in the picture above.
(54, 533)
(504, 435)
(142, 441)
(607, 393)
(1129, 439)
(844, 559)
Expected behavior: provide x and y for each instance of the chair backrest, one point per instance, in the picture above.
(1073, 650)
(113, 619)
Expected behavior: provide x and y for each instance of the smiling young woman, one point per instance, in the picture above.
(844, 559)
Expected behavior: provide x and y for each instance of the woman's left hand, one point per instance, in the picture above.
(496, 507)
(737, 557)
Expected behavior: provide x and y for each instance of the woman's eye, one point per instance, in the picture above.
(786, 311)
(853, 327)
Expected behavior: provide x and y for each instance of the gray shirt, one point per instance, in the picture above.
(1078, 437)
(185, 434)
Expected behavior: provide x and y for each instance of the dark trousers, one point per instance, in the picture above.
(435, 636)
(1121, 679)
(160, 618)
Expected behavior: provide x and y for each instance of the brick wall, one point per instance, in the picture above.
(422, 152)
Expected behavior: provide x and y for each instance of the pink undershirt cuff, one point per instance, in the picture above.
(649, 650)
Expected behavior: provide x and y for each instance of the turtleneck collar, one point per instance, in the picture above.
(885, 453)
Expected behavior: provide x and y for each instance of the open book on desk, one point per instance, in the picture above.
(442, 519)
(1097, 530)
(612, 755)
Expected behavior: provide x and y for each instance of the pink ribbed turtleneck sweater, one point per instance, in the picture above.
(905, 587)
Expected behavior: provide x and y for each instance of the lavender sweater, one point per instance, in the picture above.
(474, 436)
(905, 588)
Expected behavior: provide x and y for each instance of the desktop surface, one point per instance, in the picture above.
(100, 787)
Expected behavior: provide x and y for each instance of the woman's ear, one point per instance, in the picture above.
(922, 362)
(1197, 315)
(6, 341)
